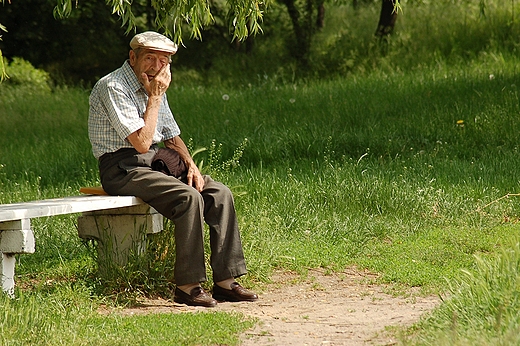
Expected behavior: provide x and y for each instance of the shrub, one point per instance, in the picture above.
(23, 73)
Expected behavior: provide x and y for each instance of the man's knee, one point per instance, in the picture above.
(226, 192)
(192, 196)
(218, 194)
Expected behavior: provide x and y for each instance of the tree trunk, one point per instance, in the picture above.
(248, 43)
(320, 20)
(150, 16)
(387, 18)
(302, 27)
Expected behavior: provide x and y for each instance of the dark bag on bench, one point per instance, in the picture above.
(169, 162)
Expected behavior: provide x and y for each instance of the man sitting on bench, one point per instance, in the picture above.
(129, 114)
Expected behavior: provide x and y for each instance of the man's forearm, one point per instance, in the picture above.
(155, 88)
(179, 146)
(142, 139)
(194, 177)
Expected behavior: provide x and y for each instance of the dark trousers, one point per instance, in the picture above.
(126, 172)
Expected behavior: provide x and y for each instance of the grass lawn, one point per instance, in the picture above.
(401, 174)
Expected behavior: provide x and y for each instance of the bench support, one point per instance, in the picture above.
(16, 237)
(120, 232)
(119, 224)
(8, 262)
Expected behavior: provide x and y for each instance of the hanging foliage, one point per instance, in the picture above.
(174, 16)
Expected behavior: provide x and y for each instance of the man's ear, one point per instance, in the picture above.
(133, 58)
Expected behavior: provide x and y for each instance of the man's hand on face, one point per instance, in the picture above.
(157, 85)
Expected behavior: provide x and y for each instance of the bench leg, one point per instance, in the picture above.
(120, 233)
(16, 237)
(8, 262)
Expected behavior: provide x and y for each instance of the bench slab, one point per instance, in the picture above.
(66, 205)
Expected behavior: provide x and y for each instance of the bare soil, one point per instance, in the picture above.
(337, 309)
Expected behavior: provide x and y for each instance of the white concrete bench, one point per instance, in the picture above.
(118, 223)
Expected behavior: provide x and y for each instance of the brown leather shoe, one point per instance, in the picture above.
(237, 293)
(197, 297)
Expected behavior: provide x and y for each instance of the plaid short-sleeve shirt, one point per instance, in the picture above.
(117, 105)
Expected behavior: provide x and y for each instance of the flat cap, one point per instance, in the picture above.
(153, 40)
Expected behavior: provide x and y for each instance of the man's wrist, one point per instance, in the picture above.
(190, 165)
(155, 98)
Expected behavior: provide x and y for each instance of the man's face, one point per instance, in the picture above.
(148, 61)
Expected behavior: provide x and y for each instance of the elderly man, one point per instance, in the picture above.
(129, 115)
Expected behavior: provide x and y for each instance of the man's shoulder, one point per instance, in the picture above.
(119, 78)
(114, 77)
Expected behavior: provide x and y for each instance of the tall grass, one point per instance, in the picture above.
(44, 144)
(482, 308)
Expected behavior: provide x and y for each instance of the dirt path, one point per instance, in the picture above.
(338, 309)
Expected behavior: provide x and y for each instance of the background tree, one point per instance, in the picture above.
(90, 41)
(173, 16)
(169, 16)
(306, 18)
(2, 67)
(387, 18)
(74, 44)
